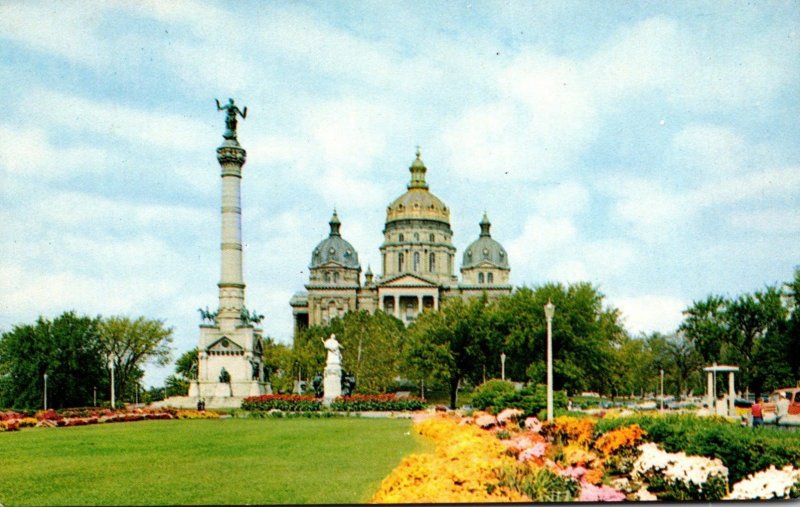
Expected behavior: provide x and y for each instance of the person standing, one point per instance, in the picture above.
(757, 412)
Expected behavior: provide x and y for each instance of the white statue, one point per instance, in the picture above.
(334, 351)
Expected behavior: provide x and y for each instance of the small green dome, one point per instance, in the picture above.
(485, 249)
(334, 248)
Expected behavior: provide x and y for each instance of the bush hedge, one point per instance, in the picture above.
(497, 395)
(743, 450)
(284, 402)
(382, 402)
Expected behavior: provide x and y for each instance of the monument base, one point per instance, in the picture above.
(332, 384)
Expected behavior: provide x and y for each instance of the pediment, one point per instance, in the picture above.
(407, 280)
(225, 344)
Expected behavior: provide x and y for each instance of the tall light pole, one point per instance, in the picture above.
(111, 366)
(45, 391)
(549, 310)
(503, 365)
(662, 389)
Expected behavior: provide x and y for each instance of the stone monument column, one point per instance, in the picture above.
(231, 157)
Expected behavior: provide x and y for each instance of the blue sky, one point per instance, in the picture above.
(652, 148)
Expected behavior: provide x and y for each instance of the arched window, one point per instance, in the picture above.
(480, 277)
(416, 236)
(416, 261)
(335, 277)
(401, 238)
(490, 278)
(432, 262)
(327, 276)
(433, 238)
(400, 262)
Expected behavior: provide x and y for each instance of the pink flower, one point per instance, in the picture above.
(591, 493)
(537, 451)
(509, 414)
(574, 472)
(485, 421)
(533, 424)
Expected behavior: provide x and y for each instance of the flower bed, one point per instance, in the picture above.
(284, 402)
(487, 458)
(86, 416)
(381, 402)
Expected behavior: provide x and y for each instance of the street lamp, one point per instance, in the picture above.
(549, 310)
(45, 391)
(503, 365)
(111, 366)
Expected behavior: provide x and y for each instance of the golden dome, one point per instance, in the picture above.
(418, 202)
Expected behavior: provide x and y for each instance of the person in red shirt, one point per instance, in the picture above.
(757, 413)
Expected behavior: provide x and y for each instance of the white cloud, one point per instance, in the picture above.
(650, 312)
(770, 221)
(64, 29)
(29, 152)
(115, 121)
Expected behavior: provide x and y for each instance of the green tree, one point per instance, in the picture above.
(372, 347)
(68, 349)
(130, 344)
(186, 365)
(585, 333)
(278, 359)
(450, 344)
(631, 367)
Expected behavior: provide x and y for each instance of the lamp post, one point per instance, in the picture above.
(549, 310)
(95, 396)
(503, 365)
(111, 366)
(45, 391)
(662, 389)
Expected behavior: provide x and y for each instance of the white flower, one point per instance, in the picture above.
(508, 415)
(678, 467)
(766, 484)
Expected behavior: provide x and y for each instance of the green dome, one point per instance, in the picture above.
(334, 248)
(485, 249)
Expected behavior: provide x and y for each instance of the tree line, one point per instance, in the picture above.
(76, 353)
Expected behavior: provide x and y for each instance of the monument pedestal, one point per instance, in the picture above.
(332, 384)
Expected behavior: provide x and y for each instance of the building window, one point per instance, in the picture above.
(490, 278)
(432, 238)
(480, 277)
(400, 259)
(401, 238)
(416, 262)
(327, 277)
(416, 236)
(432, 262)
(335, 277)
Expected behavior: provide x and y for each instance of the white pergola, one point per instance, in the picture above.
(711, 385)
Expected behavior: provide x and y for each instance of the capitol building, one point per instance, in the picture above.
(418, 261)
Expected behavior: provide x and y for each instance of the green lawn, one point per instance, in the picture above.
(229, 461)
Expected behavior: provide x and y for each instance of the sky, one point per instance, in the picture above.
(650, 148)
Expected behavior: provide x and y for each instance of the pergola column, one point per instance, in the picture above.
(731, 396)
(710, 389)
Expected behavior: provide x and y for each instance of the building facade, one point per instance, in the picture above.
(418, 264)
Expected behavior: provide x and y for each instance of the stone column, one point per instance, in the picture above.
(731, 396)
(396, 306)
(231, 157)
(710, 389)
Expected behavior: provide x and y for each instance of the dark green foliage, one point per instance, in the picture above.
(283, 402)
(492, 395)
(67, 349)
(742, 450)
(496, 395)
(366, 403)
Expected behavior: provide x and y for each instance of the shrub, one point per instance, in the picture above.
(743, 450)
(493, 395)
(283, 402)
(540, 484)
(380, 402)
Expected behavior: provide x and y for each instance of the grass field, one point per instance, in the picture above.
(228, 461)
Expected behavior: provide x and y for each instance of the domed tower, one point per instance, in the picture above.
(485, 263)
(334, 276)
(417, 235)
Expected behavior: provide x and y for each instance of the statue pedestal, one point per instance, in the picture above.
(331, 384)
